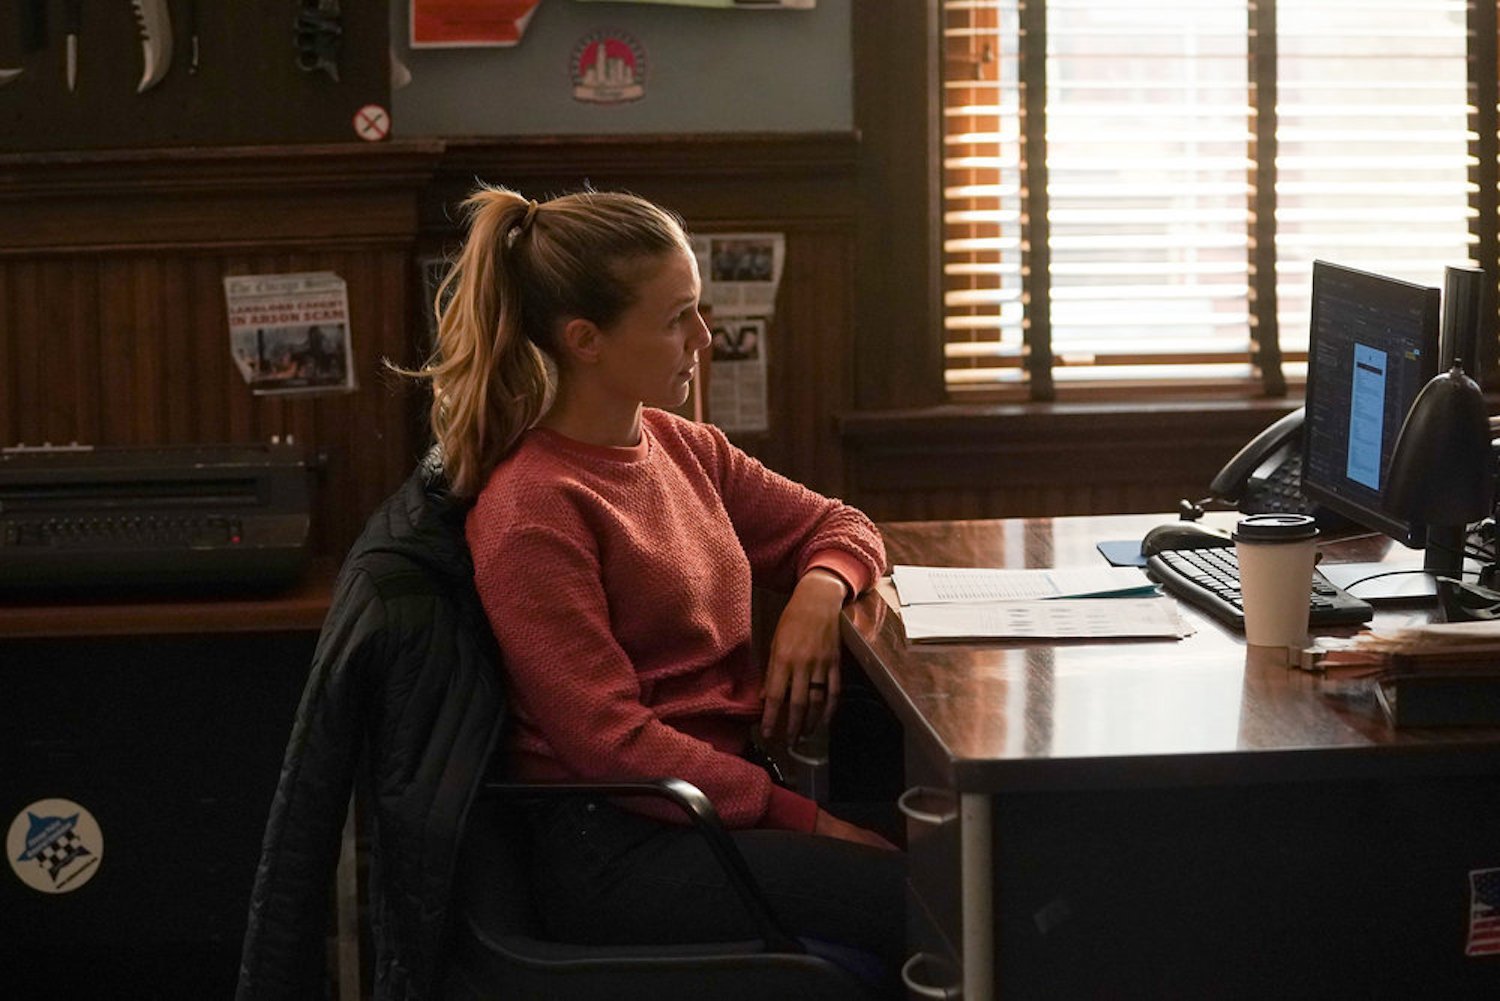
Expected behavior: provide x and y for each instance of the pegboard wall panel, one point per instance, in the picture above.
(247, 88)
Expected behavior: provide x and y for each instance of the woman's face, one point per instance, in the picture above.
(650, 353)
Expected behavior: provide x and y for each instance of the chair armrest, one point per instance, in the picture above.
(705, 819)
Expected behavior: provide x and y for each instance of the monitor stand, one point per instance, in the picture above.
(1404, 580)
(1384, 583)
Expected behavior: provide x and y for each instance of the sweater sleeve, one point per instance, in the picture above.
(786, 529)
(577, 686)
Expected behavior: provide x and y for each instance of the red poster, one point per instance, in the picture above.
(455, 23)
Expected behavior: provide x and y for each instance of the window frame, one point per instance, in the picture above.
(897, 67)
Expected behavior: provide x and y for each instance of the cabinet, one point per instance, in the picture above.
(166, 722)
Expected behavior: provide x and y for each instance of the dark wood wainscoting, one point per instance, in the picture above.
(992, 462)
(113, 330)
(112, 319)
(112, 313)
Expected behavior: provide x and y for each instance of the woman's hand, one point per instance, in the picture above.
(803, 675)
(830, 826)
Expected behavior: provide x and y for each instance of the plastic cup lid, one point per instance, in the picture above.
(1276, 528)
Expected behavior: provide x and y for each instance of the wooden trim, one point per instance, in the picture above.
(1055, 445)
(301, 608)
(898, 314)
(709, 179)
(108, 201)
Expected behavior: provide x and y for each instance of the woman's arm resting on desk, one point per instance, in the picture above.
(803, 675)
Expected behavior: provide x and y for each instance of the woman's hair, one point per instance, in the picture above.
(525, 268)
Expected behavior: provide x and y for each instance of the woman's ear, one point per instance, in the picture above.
(580, 340)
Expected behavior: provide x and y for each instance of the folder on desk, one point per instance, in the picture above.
(974, 603)
(1055, 619)
(937, 585)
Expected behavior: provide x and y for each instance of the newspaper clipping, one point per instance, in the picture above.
(290, 333)
(741, 273)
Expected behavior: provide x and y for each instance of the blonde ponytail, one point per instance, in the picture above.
(523, 267)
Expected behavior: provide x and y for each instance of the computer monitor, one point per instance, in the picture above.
(1373, 345)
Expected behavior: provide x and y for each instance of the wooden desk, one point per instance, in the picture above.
(1169, 819)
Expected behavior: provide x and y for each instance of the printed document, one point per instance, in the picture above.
(936, 585)
(1060, 619)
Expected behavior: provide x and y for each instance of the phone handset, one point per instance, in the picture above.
(1265, 475)
(1264, 458)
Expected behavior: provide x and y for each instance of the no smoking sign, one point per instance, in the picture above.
(372, 123)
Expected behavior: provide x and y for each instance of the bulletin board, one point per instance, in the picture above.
(247, 88)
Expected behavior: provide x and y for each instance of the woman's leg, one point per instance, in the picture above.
(604, 875)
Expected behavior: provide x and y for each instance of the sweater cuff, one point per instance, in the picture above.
(787, 811)
(847, 567)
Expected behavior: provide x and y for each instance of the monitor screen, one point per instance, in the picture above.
(1373, 345)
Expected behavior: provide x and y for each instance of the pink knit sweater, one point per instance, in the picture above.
(617, 581)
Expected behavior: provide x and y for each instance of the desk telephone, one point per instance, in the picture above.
(1263, 477)
(1266, 475)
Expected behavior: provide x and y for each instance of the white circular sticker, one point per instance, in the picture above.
(372, 123)
(54, 846)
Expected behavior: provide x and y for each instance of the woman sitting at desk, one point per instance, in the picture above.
(615, 546)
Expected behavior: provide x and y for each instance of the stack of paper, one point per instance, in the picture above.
(1472, 647)
(961, 603)
(1442, 674)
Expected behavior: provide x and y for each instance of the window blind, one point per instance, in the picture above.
(1136, 267)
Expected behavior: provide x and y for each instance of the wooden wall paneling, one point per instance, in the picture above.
(1044, 460)
(809, 359)
(896, 77)
(112, 319)
(25, 374)
(89, 368)
(209, 359)
(9, 382)
(55, 365)
(178, 337)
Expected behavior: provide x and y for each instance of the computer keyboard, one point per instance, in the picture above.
(1209, 579)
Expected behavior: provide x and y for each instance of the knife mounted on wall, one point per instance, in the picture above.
(155, 26)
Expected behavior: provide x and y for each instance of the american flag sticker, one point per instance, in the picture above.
(1484, 913)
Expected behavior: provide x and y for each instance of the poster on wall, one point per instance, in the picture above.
(741, 273)
(450, 24)
(290, 333)
(730, 4)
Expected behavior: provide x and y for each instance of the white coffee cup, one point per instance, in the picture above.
(1276, 554)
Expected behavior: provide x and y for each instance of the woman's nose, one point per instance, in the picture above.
(703, 337)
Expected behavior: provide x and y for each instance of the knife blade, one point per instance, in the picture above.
(192, 30)
(155, 26)
(9, 74)
(72, 22)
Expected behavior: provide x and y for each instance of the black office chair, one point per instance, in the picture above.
(451, 909)
(500, 949)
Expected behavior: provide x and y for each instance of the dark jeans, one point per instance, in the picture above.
(604, 875)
